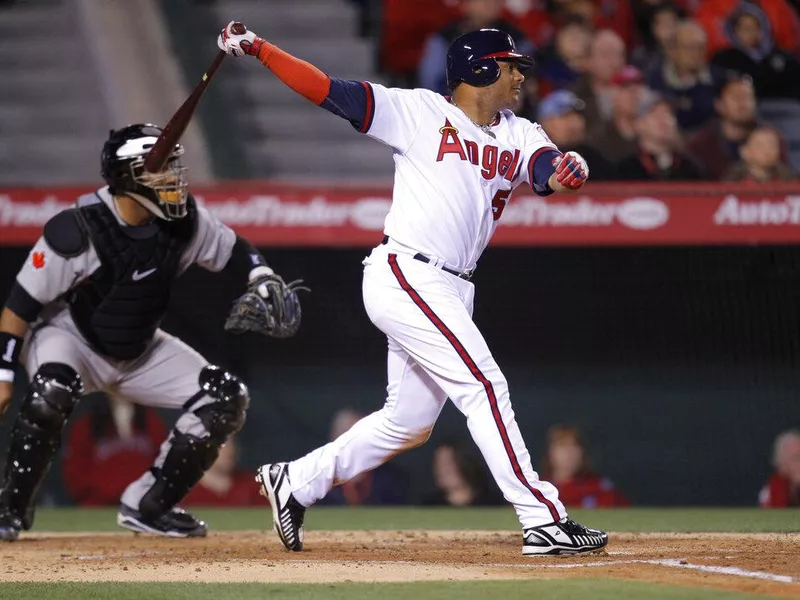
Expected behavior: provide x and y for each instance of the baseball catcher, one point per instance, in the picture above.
(84, 316)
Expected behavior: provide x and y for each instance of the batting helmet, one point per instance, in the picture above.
(472, 58)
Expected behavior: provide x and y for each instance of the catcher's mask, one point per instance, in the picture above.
(122, 166)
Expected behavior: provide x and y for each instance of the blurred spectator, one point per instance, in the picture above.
(760, 159)
(606, 58)
(776, 73)
(616, 139)
(224, 485)
(116, 438)
(784, 22)
(716, 146)
(405, 27)
(529, 99)
(615, 15)
(566, 465)
(561, 116)
(384, 485)
(782, 490)
(459, 478)
(685, 77)
(534, 20)
(561, 64)
(657, 24)
(476, 14)
(657, 157)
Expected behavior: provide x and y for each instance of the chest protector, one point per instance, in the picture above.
(119, 307)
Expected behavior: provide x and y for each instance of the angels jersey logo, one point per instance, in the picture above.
(490, 159)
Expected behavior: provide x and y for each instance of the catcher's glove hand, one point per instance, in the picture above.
(270, 306)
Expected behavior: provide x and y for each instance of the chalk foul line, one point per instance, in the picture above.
(669, 562)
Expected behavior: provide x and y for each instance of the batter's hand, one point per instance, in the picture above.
(6, 390)
(239, 44)
(571, 170)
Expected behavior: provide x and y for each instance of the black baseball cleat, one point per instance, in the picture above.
(10, 526)
(173, 523)
(562, 537)
(287, 513)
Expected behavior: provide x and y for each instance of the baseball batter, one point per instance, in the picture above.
(84, 316)
(457, 161)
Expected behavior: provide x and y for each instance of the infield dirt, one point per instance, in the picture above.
(755, 563)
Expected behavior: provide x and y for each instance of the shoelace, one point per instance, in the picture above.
(572, 527)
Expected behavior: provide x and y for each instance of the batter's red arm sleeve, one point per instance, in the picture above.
(351, 100)
(303, 77)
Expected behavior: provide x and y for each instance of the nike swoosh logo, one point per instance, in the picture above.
(137, 276)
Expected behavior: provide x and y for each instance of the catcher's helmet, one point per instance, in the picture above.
(122, 166)
(472, 58)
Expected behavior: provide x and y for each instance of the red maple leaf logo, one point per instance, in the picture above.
(38, 260)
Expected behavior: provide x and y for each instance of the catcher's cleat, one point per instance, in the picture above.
(10, 526)
(562, 537)
(287, 513)
(173, 523)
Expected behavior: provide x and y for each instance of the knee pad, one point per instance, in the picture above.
(52, 396)
(36, 436)
(190, 456)
(225, 416)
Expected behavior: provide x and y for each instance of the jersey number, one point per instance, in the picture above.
(499, 202)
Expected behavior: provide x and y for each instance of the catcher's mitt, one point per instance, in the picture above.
(270, 306)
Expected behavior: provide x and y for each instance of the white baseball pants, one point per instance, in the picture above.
(435, 352)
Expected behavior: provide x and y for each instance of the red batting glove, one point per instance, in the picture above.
(571, 170)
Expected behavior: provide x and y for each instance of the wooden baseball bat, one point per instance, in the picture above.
(159, 154)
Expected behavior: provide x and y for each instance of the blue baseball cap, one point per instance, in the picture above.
(558, 104)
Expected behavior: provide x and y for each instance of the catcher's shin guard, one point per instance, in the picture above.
(190, 456)
(36, 437)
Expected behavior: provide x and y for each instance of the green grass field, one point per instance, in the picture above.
(618, 520)
(596, 589)
(735, 520)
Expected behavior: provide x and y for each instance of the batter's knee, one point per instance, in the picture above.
(226, 415)
(418, 438)
(53, 394)
(409, 435)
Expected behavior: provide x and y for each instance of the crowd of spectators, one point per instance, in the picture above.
(661, 90)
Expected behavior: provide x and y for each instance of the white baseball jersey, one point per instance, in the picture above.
(452, 178)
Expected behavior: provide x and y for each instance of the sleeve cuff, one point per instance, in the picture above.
(369, 114)
(25, 306)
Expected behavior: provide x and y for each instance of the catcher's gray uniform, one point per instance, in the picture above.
(94, 291)
(165, 375)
